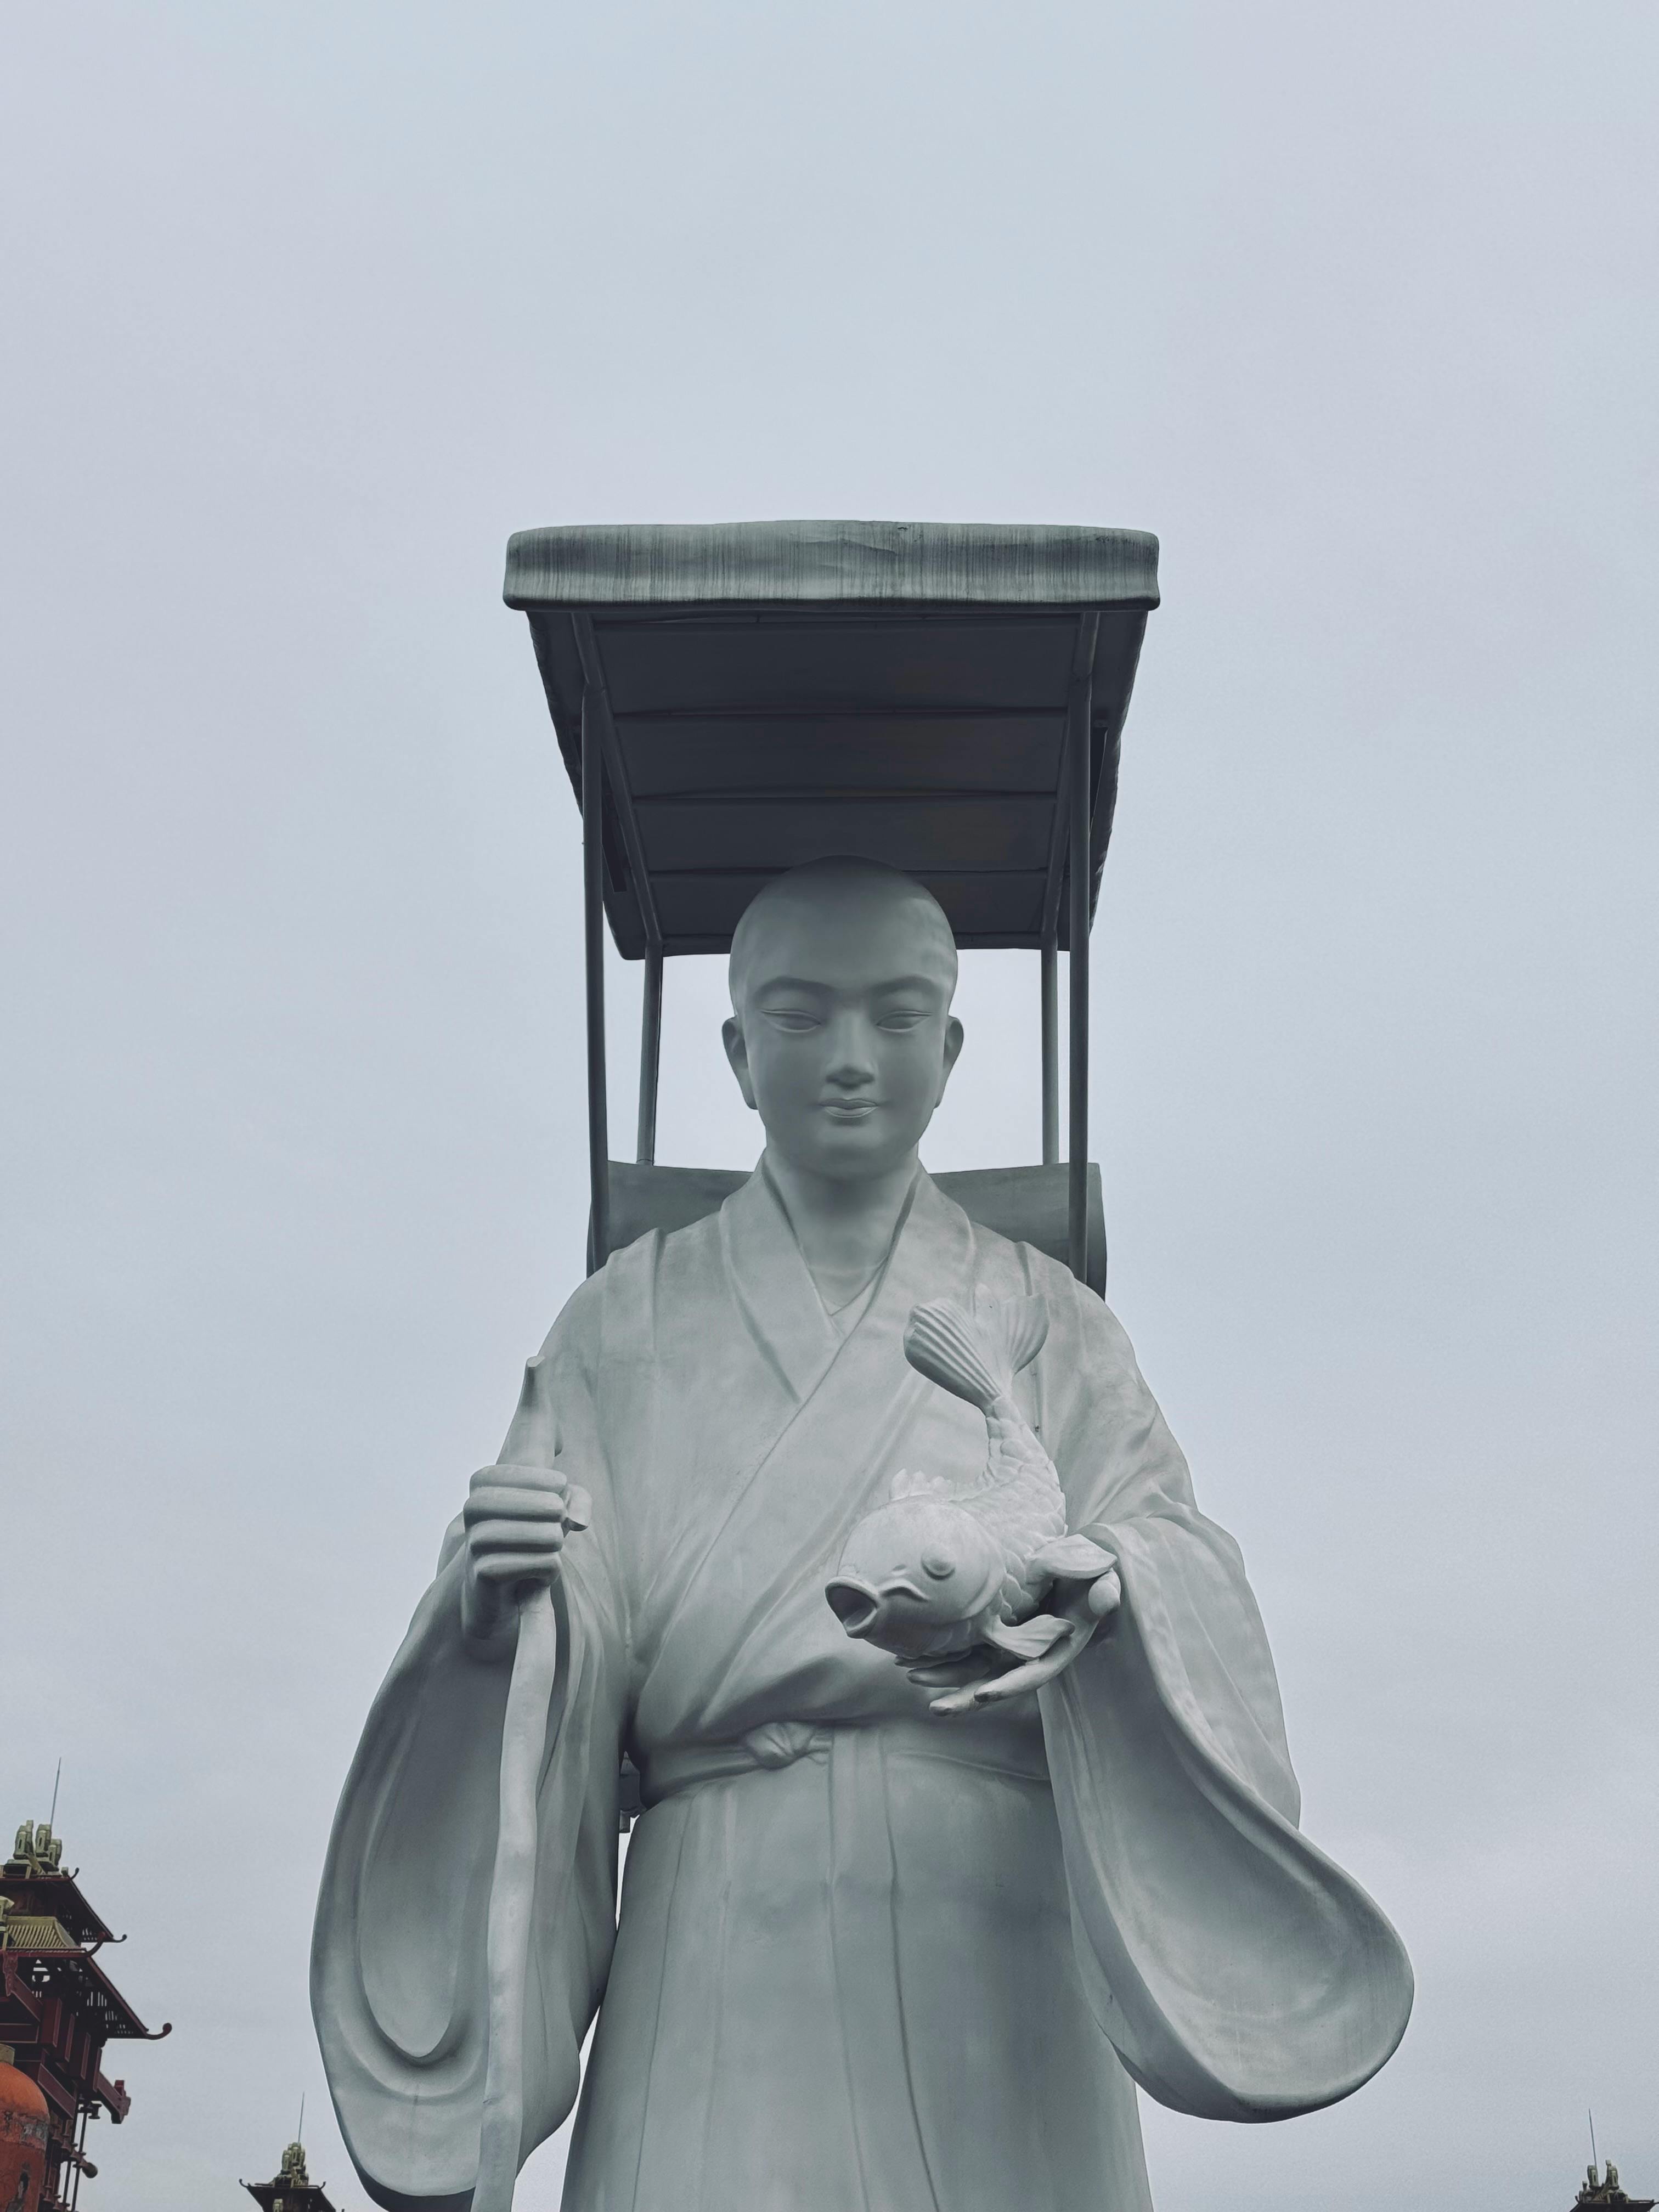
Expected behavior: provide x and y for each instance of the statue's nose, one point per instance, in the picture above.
(854, 1602)
(851, 1055)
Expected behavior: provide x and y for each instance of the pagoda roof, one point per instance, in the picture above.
(35, 1894)
(34, 1970)
(291, 2188)
(280, 2196)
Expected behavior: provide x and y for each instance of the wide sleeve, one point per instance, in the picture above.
(1240, 1974)
(398, 1968)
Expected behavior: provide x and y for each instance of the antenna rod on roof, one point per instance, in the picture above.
(300, 2132)
(52, 1817)
(1594, 2160)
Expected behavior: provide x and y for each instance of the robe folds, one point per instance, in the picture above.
(869, 1959)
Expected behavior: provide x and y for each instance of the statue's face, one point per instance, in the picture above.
(844, 1038)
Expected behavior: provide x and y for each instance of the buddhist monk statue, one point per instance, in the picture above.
(883, 1946)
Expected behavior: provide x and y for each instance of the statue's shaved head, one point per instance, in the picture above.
(834, 891)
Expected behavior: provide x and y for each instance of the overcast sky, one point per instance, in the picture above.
(306, 307)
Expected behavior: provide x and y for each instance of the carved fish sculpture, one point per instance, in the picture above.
(941, 1567)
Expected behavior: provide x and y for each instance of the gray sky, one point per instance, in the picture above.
(306, 308)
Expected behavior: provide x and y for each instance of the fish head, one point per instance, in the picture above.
(911, 1571)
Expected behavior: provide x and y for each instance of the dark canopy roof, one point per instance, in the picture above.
(772, 692)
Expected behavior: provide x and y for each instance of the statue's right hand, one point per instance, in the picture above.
(516, 1519)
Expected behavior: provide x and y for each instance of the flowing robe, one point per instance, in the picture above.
(869, 1959)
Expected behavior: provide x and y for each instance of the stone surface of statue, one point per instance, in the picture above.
(904, 1919)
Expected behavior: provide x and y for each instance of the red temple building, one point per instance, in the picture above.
(58, 2010)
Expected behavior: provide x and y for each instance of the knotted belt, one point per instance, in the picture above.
(989, 1744)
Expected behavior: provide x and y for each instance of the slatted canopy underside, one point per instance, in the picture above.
(777, 692)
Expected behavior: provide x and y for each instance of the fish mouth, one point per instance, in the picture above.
(854, 1602)
(860, 1608)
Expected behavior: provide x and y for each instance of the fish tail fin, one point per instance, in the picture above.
(942, 1343)
(1017, 1327)
(975, 1357)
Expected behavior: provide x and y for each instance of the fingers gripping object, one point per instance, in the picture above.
(531, 1441)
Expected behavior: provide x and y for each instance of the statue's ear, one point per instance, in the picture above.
(953, 1037)
(738, 1053)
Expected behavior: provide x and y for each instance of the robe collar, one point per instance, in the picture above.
(931, 1257)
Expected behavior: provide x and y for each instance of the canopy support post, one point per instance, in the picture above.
(599, 1142)
(1078, 869)
(650, 1055)
(599, 727)
(1051, 957)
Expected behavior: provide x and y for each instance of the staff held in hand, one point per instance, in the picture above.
(517, 1515)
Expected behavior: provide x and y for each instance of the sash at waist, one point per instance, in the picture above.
(990, 1745)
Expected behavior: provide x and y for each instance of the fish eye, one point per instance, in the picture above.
(938, 1565)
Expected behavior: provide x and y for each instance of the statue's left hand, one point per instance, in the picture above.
(988, 1676)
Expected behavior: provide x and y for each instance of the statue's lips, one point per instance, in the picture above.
(850, 1110)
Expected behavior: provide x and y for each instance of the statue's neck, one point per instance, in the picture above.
(845, 1230)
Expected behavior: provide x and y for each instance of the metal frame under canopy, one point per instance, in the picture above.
(733, 699)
